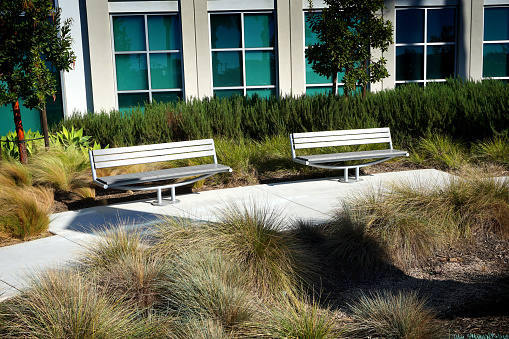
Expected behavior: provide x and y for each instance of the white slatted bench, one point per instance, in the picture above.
(133, 155)
(344, 138)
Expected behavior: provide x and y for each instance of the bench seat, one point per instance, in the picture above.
(164, 174)
(347, 156)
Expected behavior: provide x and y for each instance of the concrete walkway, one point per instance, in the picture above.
(312, 200)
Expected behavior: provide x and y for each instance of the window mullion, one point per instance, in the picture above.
(147, 53)
(243, 45)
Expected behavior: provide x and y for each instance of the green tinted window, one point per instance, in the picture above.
(410, 26)
(315, 78)
(167, 96)
(261, 93)
(225, 31)
(441, 25)
(259, 30)
(311, 38)
(410, 63)
(163, 32)
(226, 93)
(131, 72)
(496, 60)
(440, 62)
(227, 69)
(318, 90)
(496, 23)
(129, 33)
(128, 100)
(260, 68)
(165, 70)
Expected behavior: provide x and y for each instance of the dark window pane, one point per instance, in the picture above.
(131, 72)
(225, 31)
(163, 32)
(495, 60)
(410, 63)
(260, 68)
(409, 26)
(440, 62)
(167, 96)
(496, 23)
(166, 70)
(226, 93)
(227, 69)
(128, 100)
(129, 33)
(259, 30)
(441, 25)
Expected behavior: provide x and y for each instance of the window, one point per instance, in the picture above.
(243, 54)
(148, 59)
(315, 83)
(496, 43)
(425, 44)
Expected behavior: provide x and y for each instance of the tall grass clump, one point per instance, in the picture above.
(395, 316)
(122, 263)
(24, 211)
(494, 150)
(255, 238)
(62, 169)
(291, 317)
(442, 152)
(63, 304)
(205, 285)
(14, 173)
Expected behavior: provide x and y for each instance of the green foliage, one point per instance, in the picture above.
(10, 145)
(348, 30)
(31, 36)
(71, 137)
(466, 111)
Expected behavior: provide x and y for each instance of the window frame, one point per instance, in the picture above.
(425, 44)
(147, 53)
(489, 42)
(243, 49)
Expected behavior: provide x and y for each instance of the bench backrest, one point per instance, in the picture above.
(347, 137)
(122, 156)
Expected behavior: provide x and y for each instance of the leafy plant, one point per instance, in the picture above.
(10, 148)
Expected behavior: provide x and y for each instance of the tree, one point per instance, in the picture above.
(348, 31)
(31, 39)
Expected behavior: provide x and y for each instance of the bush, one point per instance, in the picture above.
(400, 316)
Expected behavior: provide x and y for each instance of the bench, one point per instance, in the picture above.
(124, 156)
(344, 138)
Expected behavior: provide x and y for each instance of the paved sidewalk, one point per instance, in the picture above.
(312, 200)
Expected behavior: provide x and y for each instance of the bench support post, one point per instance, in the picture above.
(356, 173)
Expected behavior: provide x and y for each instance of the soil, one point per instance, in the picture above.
(467, 285)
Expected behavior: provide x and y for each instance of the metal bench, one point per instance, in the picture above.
(124, 156)
(344, 138)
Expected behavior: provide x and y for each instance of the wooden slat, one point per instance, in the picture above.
(151, 153)
(318, 139)
(153, 159)
(153, 147)
(342, 143)
(341, 132)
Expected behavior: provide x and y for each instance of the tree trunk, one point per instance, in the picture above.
(20, 132)
(365, 86)
(44, 123)
(335, 82)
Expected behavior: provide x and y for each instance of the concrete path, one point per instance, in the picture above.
(311, 200)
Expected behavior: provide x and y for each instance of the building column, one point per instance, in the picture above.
(390, 55)
(471, 35)
(202, 36)
(189, 54)
(284, 52)
(101, 55)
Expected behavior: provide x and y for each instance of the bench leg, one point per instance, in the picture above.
(346, 174)
(356, 173)
(173, 200)
(159, 201)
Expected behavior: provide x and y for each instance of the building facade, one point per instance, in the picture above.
(131, 52)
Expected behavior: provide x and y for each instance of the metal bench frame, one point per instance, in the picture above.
(344, 138)
(123, 156)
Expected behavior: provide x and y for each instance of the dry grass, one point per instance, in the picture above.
(62, 304)
(13, 173)
(24, 212)
(400, 316)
